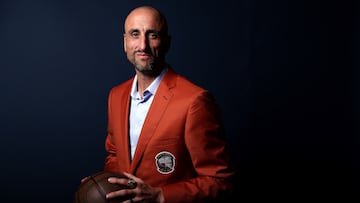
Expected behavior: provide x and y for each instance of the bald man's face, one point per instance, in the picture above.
(144, 42)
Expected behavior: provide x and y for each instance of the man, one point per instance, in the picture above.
(164, 132)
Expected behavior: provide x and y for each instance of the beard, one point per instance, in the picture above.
(151, 67)
(144, 68)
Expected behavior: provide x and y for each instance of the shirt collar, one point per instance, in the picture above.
(152, 87)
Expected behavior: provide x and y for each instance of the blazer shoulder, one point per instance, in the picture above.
(180, 82)
(124, 86)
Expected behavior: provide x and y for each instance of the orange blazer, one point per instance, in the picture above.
(181, 147)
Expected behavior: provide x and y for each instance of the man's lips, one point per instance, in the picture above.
(143, 55)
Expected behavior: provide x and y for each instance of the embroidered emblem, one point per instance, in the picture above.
(165, 162)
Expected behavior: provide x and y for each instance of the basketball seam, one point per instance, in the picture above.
(100, 189)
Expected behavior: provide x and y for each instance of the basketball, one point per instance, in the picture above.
(95, 188)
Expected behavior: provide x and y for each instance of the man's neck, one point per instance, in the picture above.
(144, 79)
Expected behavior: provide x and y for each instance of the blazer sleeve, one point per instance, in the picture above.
(110, 147)
(206, 143)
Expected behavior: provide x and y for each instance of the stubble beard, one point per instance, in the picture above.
(146, 68)
(150, 68)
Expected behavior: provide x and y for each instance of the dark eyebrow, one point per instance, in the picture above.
(133, 30)
(152, 31)
(147, 31)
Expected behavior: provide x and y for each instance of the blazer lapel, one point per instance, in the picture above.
(122, 108)
(161, 100)
(126, 139)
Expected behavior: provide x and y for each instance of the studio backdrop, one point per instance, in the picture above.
(284, 73)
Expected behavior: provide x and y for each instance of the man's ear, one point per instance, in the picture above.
(124, 36)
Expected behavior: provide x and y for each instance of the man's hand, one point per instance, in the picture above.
(141, 192)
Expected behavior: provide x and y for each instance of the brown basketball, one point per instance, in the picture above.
(95, 188)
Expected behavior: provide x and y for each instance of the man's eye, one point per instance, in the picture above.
(134, 34)
(153, 36)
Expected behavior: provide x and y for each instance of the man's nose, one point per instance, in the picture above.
(143, 43)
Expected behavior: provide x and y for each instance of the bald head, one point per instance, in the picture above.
(146, 14)
(146, 39)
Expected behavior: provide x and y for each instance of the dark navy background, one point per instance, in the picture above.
(284, 72)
